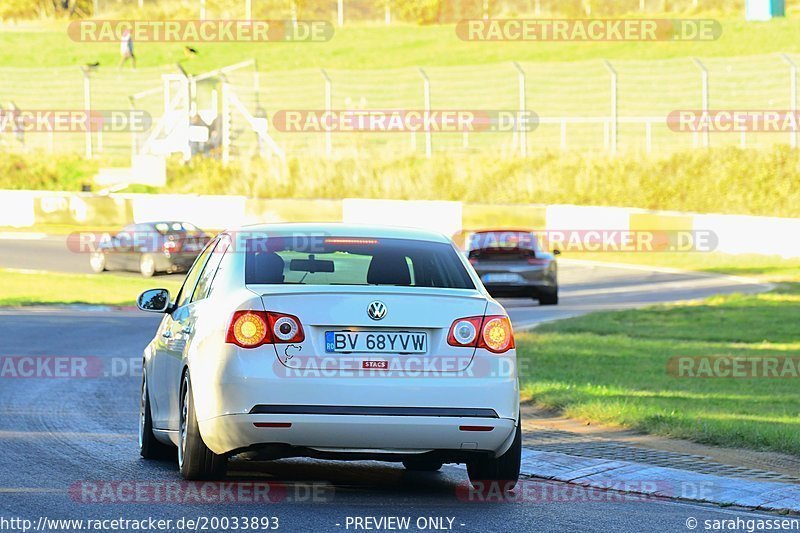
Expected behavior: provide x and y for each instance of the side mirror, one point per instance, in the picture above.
(556, 251)
(154, 301)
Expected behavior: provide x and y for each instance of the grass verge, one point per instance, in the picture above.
(718, 180)
(40, 288)
(370, 46)
(761, 267)
(612, 368)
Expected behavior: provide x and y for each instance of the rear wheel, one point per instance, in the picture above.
(149, 446)
(97, 262)
(503, 470)
(195, 460)
(147, 265)
(422, 465)
(549, 298)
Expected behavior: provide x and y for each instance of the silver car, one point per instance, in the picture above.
(511, 263)
(331, 341)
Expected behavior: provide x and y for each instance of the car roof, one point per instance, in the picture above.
(336, 229)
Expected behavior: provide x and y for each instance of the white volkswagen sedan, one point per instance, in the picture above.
(331, 341)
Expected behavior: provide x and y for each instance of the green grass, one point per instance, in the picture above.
(38, 172)
(375, 67)
(361, 46)
(612, 368)
(719, 180)
(764, 267)
(724, 180)
(35, 288)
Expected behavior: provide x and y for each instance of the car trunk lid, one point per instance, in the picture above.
(412, 313)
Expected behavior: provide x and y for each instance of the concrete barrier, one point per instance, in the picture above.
(292, 210)
(506, 216)
(16, 208)
(752, 235)
(581, 218)
(444, 217)
(735, 234)
(203, 211)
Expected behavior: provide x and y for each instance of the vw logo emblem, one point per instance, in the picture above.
(377, 310)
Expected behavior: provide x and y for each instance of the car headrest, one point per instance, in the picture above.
(388, 269)
(265, 267)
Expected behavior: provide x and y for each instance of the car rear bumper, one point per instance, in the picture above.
(359, 434)
(532, 289)
(352, 410)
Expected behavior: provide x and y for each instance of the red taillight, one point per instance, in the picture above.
(285, 328)
(172, 246)
(536, 261)
(492, 332)
(250, 329)
(464, 332)
(496, 334)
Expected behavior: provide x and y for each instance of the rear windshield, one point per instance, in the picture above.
(502, 245)
(499, 241)
(354, 261)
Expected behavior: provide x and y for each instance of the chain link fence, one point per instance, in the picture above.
(592, 106)
(589, 106)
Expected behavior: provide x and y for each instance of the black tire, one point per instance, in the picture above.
(149, 446)
(147, 265)
(549, 298)
(422, 465)
(195, 460)
(503, 470)
(97, 262)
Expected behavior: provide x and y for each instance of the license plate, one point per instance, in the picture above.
(370, 342)
(501, 278)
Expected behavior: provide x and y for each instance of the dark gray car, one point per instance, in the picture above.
(150, 247)
(511, 263)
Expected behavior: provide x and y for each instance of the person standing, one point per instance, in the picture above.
(126, 49)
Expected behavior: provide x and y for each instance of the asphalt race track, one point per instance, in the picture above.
(62, 437)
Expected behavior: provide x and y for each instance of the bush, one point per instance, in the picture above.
(718, 180)
(721, 180)
(45, 172)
